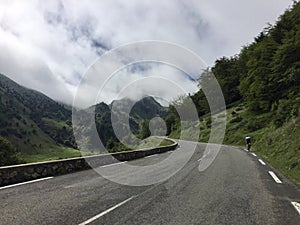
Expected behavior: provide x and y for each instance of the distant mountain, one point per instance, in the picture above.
(139, 112)
(145, 109)
(40, 128)
(31, 121)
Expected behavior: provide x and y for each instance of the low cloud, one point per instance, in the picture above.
(49, 45)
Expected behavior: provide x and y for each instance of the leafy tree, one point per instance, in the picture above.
(226, 71)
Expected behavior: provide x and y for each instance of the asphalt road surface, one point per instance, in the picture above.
(237, 188)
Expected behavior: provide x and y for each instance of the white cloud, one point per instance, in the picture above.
(48, 45)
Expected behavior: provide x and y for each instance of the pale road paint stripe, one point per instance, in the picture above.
(149, 156)
(254, 154)
(27, 182)
(297, 206)
(273, 175)
(113, 164)
(204, 155)
(105, 212)
(262, 162)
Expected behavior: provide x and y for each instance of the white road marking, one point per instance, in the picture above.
(27, 182)
(254, 154)
(149, 156)
(105, 212)
(273, 175)
(262, 162)
(297, 206)
(113, 164)
(206, 154)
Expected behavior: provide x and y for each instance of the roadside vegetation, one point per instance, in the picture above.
(260, 85)
(261, 88)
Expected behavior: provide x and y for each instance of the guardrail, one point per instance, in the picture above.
(26, 172)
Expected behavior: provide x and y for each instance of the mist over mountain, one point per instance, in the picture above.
(39, 128)
(126, 117)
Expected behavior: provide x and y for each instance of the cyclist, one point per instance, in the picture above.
(248, 143)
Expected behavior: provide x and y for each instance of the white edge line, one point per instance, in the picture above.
(113, 164)
(254, 154)
(149, 156)
(297, 206)
(204, 155)
(27, 182)
(262, 162)
(273, 175)
(105, 212)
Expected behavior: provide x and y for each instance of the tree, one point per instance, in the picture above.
(227, 73)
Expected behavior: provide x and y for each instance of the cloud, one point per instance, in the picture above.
(49, 45)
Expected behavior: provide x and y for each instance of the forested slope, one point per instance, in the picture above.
(261, 88)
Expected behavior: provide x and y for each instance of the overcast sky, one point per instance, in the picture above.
(49, 45)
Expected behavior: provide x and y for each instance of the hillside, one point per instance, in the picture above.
(34, 127)
(141, 112)
(37, 126)
(261, 88)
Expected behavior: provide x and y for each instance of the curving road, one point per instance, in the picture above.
(238, 188)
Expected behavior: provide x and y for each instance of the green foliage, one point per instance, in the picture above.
(116, 146)
(286, 109)
(226, 70)
(236, 119)
(32, 122)
(265, 78)
(281, 148)
(272, 64)
(145, 131)
(8, 154)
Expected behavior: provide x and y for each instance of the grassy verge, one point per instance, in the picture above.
(152, 142)
(52, 153)
(60, 152)
(280, 147)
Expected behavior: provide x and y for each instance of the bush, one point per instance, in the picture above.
(255, 124)
(208, 122)
(285, 110)
(8, 155)
(236, 119)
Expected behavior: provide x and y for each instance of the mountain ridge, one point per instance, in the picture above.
(39, 128)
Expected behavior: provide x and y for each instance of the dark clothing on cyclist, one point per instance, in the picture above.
(248, 142)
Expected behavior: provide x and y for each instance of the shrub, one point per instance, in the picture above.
(236, 119)
(8, 153)
(285, 110)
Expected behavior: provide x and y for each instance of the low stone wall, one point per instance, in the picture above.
(25, 172)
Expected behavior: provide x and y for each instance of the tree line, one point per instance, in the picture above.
(265, 75)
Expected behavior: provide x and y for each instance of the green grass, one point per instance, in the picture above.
(152, 142)
(280, 147)
(52, 153)
(166, 143)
